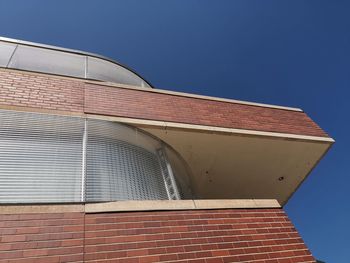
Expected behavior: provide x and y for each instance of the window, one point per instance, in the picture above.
(48, 158)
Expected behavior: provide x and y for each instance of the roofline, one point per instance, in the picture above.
(79, 52)
(73, 51)
(190, 95)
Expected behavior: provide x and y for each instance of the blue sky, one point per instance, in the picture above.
(291, 53)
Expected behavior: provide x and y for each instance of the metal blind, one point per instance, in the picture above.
(40, 158)
(119, 169)
(53, 159)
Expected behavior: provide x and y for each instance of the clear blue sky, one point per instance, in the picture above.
(292, 53)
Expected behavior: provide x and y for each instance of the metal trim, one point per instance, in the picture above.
(14, 51)
(83, 163)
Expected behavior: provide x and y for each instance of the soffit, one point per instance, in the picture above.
(240, 166)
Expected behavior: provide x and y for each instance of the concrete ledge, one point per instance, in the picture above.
(236, 203)
(144, 205)
(25, 209)
(149, 205)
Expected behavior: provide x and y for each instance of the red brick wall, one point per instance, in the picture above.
(232, 235)
(42, 238)
(165, 107)
(41, 91)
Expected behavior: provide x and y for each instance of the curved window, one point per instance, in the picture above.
(29, 56)
(100, 69)
(6, 51)
(123, 164)
(47, 158)
(47, 61)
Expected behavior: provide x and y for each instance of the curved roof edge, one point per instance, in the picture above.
(72, 51)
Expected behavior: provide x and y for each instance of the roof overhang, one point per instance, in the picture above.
(240, 164)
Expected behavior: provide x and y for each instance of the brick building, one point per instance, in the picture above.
(96, 165)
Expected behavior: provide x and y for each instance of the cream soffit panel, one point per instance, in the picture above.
(233, 166)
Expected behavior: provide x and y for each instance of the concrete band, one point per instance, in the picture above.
(146, 205)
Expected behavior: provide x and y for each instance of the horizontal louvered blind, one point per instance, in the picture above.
(119, 170)
(53, 159)
(40, 158)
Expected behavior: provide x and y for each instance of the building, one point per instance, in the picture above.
(96, 165)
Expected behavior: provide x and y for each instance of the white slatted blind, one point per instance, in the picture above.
(118, 169)
(40, 158)
(54, 159)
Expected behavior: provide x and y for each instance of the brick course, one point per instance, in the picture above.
(165, 107)
(23, 89)
(52, 93)
(53, 237)
(230, 235)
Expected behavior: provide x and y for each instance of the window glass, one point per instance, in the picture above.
(53, 159)
(121, 169)
(108, 71)
(66, 63)
(40, 158)
(6, 50)
(50, 61)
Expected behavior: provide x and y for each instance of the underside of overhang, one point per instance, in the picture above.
(241, 166)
